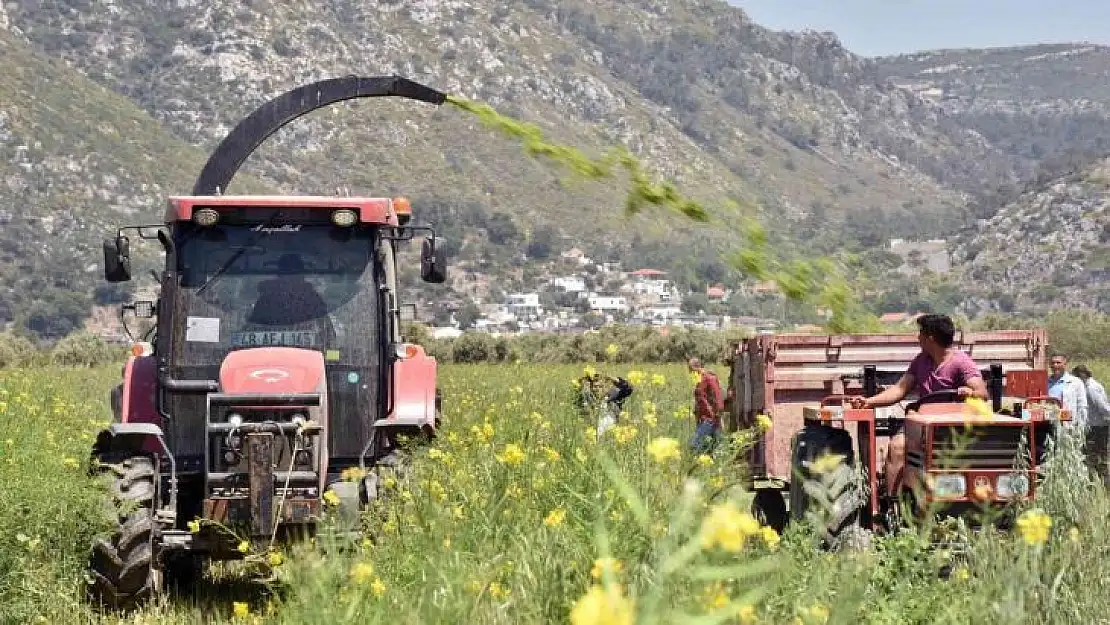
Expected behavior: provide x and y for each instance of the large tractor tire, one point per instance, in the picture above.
(122, 565)
(836, 491)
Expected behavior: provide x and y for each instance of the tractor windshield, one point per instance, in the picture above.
(310, 286)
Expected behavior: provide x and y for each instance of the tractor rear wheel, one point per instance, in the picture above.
(122, 564)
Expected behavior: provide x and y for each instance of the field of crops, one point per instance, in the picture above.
(517, 515)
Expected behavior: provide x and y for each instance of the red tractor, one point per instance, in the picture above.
(276, 363)
(957, 461)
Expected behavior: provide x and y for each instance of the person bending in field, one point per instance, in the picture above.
(939, 367)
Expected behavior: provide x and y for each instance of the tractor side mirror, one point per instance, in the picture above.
(117, 259)
(433, 261)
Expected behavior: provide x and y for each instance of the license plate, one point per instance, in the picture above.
(274, 338)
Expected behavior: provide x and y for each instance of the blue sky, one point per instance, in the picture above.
(877, 27)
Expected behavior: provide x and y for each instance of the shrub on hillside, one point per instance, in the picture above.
(84, 349)
(616, 344)
(16, 351)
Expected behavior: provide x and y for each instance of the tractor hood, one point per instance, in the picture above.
(272, 370)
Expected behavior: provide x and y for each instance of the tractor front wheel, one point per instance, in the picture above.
(769, 508)
(122, 564)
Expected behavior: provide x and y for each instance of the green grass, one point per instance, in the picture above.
(465, 540)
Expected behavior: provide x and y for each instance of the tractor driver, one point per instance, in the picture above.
(290, 300)
(939, 367)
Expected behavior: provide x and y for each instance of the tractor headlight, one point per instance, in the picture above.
(344, 218)
(949, 485)
(1013, 485)
(206, 217)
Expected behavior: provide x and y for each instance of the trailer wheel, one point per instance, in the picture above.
(769, 508)
(122, 564)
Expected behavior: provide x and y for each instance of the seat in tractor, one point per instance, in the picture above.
(289, 302)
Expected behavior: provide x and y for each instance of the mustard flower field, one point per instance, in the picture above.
(517, 513)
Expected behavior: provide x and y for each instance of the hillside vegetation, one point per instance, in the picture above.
(832, 150)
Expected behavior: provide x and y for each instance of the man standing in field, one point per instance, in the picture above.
(709, 401)
(1069, 390)
(941, 366)
(1097, 447)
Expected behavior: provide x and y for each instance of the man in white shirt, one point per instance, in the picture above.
(1097, 448)
(1070, 390)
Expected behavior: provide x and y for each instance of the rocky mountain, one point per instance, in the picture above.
(77, 158)
(1049, 249)
(1047, 107)
(832, 152)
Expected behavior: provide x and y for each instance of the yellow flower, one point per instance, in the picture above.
(362, 572)
(636, 378)
(276, 558)
(555, 518)
(623, 433)
(728, 527)
(352, 474)
(746, 614)
(606, 566)
(663, 449)
(658, 379)
(763, 422)
(551, 454)
(978, 407)
(1073, 534)
(194, 526)
(240, 609)
(511, 455)
(770, 537)
(603, 606)
(704, 460)
(580, 454)
(436, 454)
(71, 463)
(377, 587)
(715, 597)
(612, 349)
(244, 546)
(826, 463)
(962, 574)
(1034, 526)
(331, 499)
(497, 591)
(589, 371)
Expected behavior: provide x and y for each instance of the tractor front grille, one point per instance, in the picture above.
(981, 447)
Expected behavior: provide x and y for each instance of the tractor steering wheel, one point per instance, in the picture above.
(936, 397)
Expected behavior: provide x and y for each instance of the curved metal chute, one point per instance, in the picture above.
(267, 119)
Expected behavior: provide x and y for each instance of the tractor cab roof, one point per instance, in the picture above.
(370, 210)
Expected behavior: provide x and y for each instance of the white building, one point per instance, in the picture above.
(608, 303)
(525, 305)
(570, 284)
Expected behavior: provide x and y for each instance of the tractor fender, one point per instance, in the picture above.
(137, 397)
(414, 390)
(132, 438)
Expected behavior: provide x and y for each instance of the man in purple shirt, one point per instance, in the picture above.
(939, 367)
